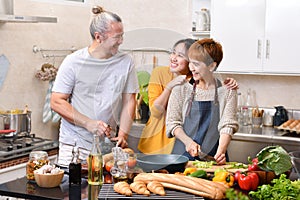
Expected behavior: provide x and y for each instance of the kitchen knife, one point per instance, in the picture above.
(204, 156)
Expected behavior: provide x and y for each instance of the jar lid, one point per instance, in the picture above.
(38, 154)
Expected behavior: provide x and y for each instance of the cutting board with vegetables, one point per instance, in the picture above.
(212, 166)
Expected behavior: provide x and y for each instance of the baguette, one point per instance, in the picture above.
(205, 186)
(188, 190)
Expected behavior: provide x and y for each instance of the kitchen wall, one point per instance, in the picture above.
(17, 39)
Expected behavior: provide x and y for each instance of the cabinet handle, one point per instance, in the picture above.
(268, 49)
(259, 49)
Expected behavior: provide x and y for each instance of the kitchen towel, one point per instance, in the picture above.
(48, 113)
(4, 64)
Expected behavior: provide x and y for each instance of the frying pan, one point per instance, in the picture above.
(171, 162)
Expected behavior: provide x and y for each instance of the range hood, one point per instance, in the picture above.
(7, 15)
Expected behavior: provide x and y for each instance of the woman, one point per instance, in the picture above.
(201, 113)
(153, 139)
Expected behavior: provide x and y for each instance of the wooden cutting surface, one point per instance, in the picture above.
(107, 192)
(213, 168)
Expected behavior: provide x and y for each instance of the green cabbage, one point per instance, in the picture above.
(274, 158)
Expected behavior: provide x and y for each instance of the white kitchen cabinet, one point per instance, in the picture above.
(257, 35)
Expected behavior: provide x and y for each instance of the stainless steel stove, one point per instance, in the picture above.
(14, 147)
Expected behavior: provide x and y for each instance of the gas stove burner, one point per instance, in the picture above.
(22, 145)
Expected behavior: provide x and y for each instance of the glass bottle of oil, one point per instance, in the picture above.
(95, 163)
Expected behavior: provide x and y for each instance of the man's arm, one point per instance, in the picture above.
(126, 118)
(59, 103)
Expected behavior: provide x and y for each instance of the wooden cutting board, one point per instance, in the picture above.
(215, 167)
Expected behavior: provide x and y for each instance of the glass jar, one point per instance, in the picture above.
(36, 160)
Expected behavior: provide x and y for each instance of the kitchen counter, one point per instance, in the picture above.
(22, 188)
(248, 141)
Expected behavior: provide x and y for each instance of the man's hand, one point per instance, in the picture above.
(98, 127)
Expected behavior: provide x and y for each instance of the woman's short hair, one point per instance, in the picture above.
(206, 50)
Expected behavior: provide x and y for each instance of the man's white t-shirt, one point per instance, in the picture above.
(96, 87)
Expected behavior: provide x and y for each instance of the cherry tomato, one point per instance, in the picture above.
(131, 162)
(107, 178)
(109, 165)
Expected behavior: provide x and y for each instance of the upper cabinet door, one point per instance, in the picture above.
(282, 36)
(239, 27)
(258, 35)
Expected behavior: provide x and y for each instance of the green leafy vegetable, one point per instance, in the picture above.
(280, 189)
(232, 194)
(274, 158)
(203, 164)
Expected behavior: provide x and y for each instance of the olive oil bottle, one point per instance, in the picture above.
(95, 164)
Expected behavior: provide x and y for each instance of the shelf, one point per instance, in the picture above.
(200, 33)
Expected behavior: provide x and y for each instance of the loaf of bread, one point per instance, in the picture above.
(197, 186)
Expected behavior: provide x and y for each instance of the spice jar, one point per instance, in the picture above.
(36, 160)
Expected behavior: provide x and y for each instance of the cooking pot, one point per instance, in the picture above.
(19, 122)
(171, 162)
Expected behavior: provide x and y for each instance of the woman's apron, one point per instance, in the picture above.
(202, 125)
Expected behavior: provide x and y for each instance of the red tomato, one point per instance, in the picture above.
(107, 178)
(109, 165)
(131, 162)
(236, 176)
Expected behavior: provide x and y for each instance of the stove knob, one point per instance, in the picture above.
(27, 144)
(10, 148)
(19, 146)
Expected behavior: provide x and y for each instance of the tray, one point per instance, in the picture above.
(288, 129)
(107, 192)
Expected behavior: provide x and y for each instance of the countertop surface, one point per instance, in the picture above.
(245, 133)
(22, 188)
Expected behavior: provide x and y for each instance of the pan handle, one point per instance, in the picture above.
(28, 123)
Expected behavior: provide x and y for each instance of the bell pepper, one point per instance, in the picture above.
(224, 177)
(248, 181)
(199, 174)
(253, 166)
(189, 170)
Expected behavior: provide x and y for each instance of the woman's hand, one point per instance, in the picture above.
(176, 81)
(220, 158)
(98, 127)
(231, 83)
(193, 149)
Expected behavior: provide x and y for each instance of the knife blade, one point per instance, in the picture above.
(205, 157)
